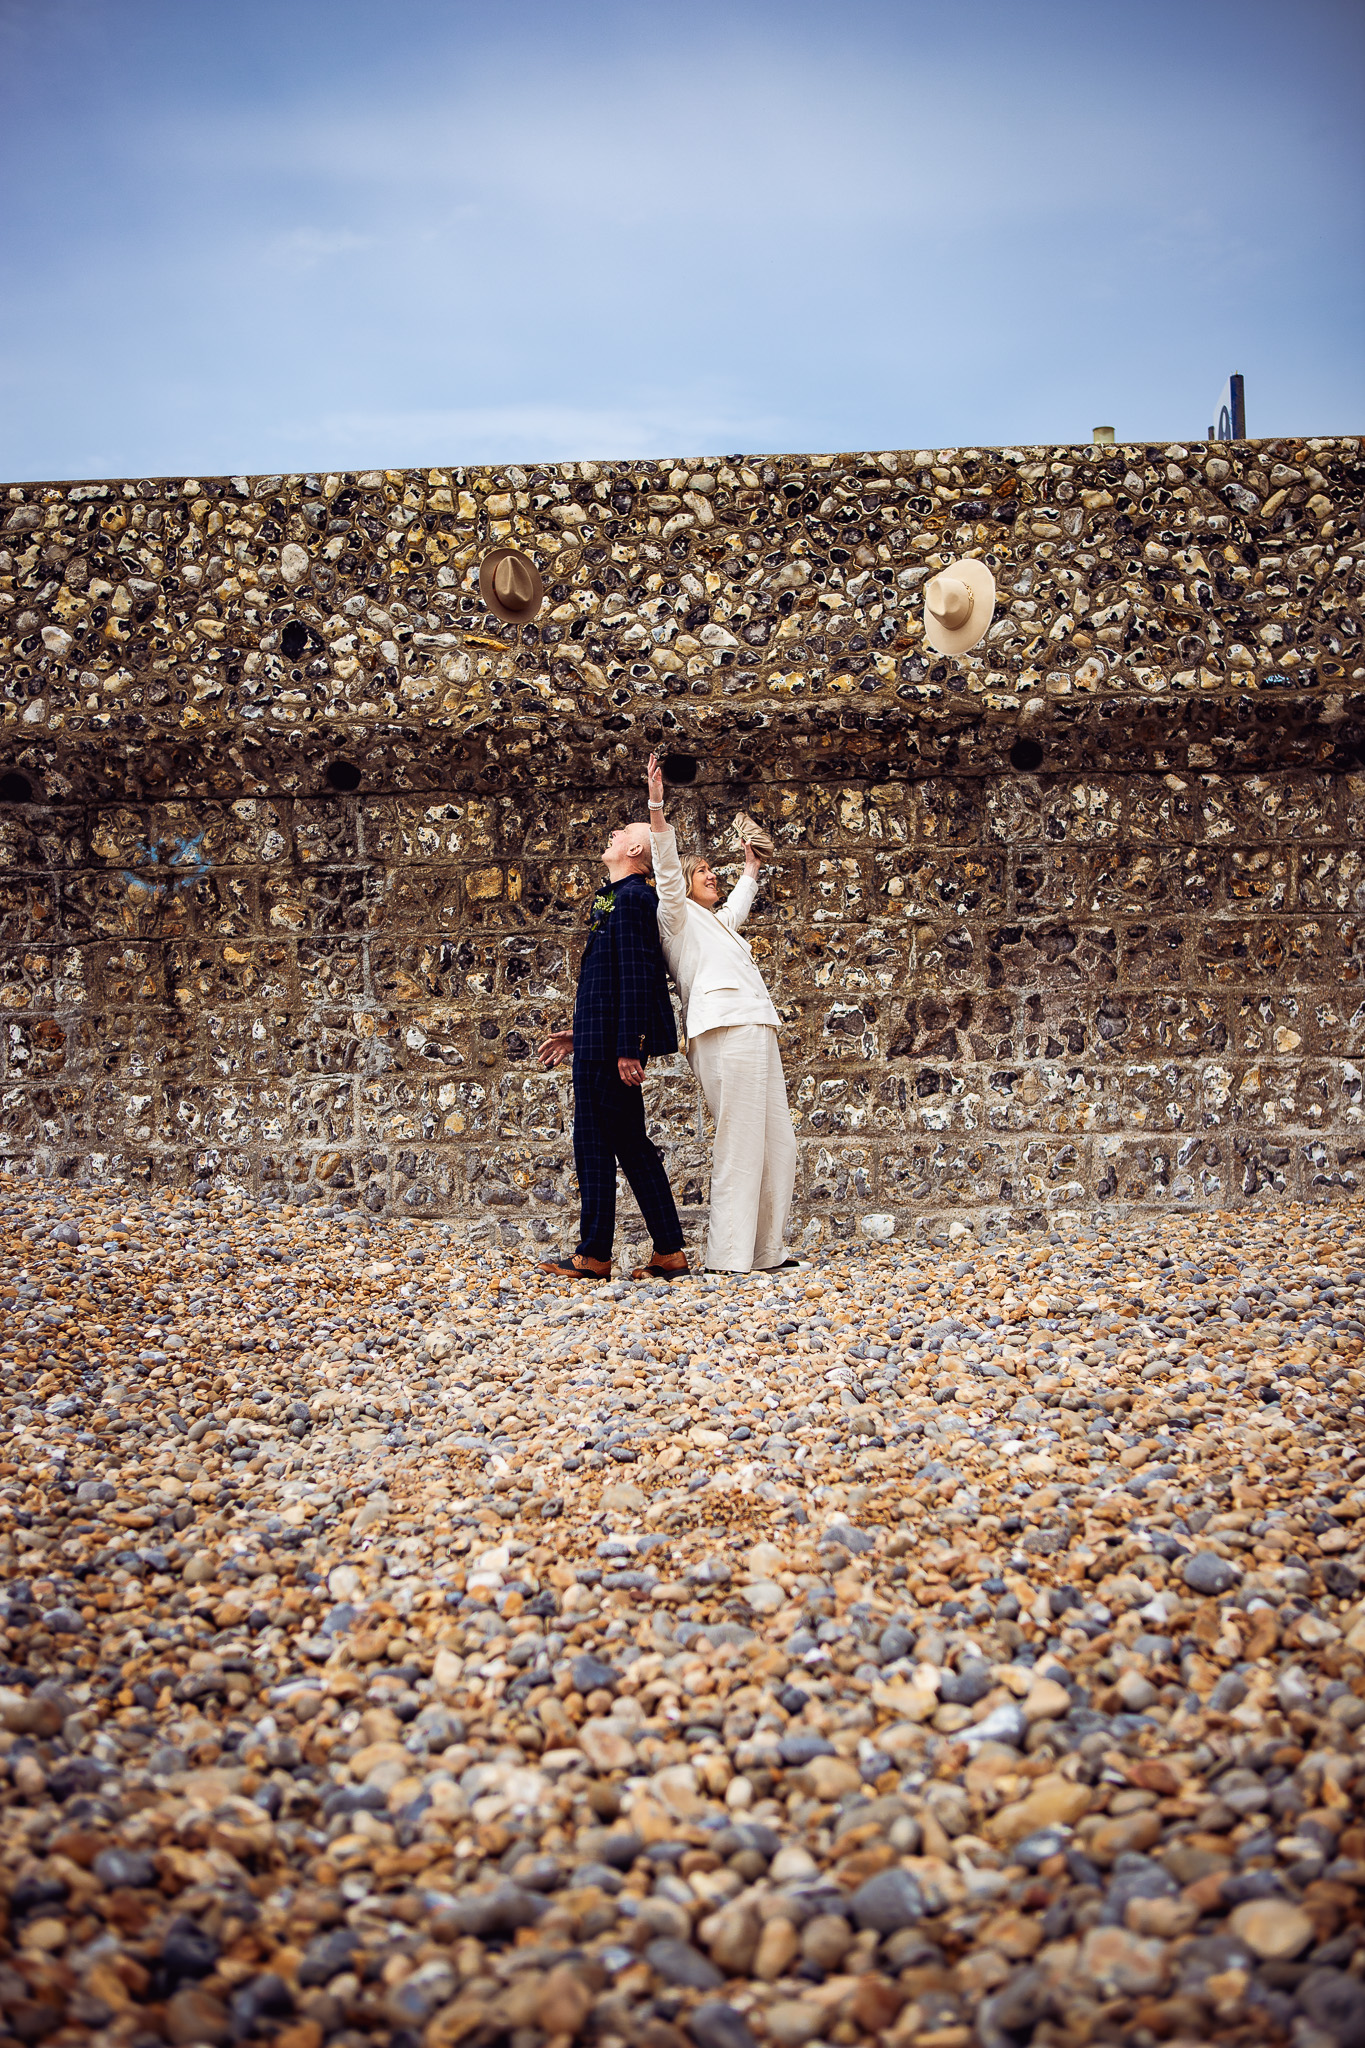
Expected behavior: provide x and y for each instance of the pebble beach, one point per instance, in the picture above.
(398, 1645)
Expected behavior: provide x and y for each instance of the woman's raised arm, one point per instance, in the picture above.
(740, 900)
(668, 874)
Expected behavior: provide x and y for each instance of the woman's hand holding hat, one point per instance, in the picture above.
(750, 833)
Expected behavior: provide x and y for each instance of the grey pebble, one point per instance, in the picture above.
(677, 1962)
(887, 1902)
(188, 1951)
(327, 1955)
(796, 1750)
(716, 2025)
(63, 1621)
(1229, 1692)
(1208, 1573)
(1012, 2013)
(1004, 1723)
(1335, 2001)
(115, 1867)
(500, 1911)
(590, 1674)
(1037, 1847)
(964, 1687)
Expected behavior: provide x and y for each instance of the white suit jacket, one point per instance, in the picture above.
(718, 980)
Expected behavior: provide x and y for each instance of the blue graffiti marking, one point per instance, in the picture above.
(176, 867)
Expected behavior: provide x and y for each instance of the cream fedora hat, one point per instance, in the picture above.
(959, 604)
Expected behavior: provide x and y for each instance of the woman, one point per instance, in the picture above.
(731, 1028)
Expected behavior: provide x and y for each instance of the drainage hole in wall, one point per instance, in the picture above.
(343, 775)
(679, 768)
(294, 639)
(15, 788)
(1026, 754)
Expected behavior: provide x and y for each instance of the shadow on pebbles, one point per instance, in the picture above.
(928, 1647)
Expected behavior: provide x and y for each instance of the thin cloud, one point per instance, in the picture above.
(893, 144)
(307, 247)
(534, 432)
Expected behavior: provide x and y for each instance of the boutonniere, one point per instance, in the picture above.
(603, 904)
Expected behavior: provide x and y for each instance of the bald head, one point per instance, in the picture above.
(629, 851)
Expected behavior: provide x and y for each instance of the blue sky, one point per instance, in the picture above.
(308, 234)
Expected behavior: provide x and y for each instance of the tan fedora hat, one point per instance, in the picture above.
(510, 586)
(959, 604)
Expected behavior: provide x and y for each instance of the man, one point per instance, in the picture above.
(622, 1016)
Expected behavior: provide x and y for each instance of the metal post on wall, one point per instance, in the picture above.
(1232, 412)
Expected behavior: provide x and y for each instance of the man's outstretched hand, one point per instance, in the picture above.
(631, 1072)
(552, 1051)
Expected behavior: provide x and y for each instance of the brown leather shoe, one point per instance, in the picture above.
(576, 1266)
(663, 1266)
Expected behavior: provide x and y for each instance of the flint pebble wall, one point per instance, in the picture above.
(296, 840)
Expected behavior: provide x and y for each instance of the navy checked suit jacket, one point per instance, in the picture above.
(623, 1010)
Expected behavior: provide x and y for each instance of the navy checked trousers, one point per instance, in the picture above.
(609, 1126)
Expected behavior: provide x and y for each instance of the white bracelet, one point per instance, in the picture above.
(656, 807)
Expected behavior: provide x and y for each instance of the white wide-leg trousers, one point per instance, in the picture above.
(753, 1168)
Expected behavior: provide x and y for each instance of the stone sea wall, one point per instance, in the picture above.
(296, 840)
